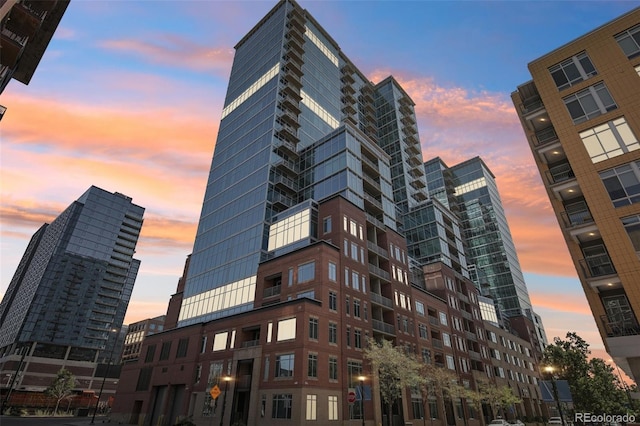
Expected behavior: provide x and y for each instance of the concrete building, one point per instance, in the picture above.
(580, 114)
(27, 28)
(66, 302)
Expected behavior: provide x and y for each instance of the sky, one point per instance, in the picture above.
(129, 94)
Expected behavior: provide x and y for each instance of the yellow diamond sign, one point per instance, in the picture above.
(215, 392)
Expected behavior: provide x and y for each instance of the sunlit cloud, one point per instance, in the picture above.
(456, 124)
(175, 51)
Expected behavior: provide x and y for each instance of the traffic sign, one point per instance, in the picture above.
(215, 392)
(351, 397)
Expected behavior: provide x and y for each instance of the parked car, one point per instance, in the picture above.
(499, 422)
(555, 421)
(516, 423)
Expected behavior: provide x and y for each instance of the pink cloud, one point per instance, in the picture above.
(456, 124)
(175, 51)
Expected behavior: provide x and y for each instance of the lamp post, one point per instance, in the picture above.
(104, 378)
(226, 379)
(549, 369)
(361, 378)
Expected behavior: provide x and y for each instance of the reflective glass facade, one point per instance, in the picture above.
(75, 279)
(297, 122)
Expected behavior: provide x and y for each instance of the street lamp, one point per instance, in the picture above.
(226, 379)
(361, 378)
(549, 369)
(95, 410)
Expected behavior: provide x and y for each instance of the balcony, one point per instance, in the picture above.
(475, 355)
(271, 291)
(377, 250)
(12, 47)
(250, 343)
(560, 173)
(380, 273)
(285, 183)
(372, 184)
(285, 138)
(625, 324)
(287, 166)
(545, 136)
(383, 327)
(437, 343)
(24, 21)
(282, 200)
(372, 203)
(433, 320)
(381, 300)
(373, 166)
(597, 266)
(375, 222)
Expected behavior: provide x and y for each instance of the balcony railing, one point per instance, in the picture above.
(271, 291)
(379, 272)
(381, 300)
(597, 266)
(560, 173)
(576, 218)
(624, 325)
(434, 321)
(250, 343)
(377, 249)
(383, 327)
(545, 136)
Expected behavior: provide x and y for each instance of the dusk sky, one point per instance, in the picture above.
(129, 94)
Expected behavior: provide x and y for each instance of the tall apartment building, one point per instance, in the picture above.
(300, 254)
(136, 333)
(70, 292)
(581, 116)
(469, 189)
(27, 28)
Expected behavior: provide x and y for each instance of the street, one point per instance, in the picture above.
(49, 421)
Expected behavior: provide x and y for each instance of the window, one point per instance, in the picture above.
(312, 407)
(333, 407)
(312, 365)
(420, 308)
(418, 411)
(348, 336)
(609, 140)
(632, 226)
(357, 337)
(422, 330)
(590, 102)
(183, 344)
(623, 183)
(572, 71)
(355, 280)
(365, 314)
(354, 251)
(220, 341)
(353, 228)
(446, 339)
(426, 356)
(333, 301)
(144, 378)
(333, 368)
(443, 318)
(326, 224)
(638, 70)
(333, 274)
(203, 344)
(164, 351)
(333, 332)
(306, 272)
(151, 352)
(629, 41)
(356, 308)
(451, 365)
(347, 305)
(313, 328)
(286, 329)
(284, 365)
(346, 277)
(281, 407)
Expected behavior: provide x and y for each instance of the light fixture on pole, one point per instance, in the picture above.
(549, 369)
(361, 378)
(226, 379)
(104, 378)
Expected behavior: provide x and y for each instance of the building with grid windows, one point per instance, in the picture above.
(302, 254)
(67, 299)
(469, 189)
(581, 115)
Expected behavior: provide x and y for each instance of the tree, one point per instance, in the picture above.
(61, 386)
(593, 384)
(439, 381)
(499, 398)
(395, 369)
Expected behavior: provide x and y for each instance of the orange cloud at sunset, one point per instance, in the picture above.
(175, 51)
(456, 125)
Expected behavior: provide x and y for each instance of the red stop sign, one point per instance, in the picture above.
(351, 397)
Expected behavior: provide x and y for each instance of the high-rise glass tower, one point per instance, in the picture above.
(75, 279)
(470, 189)
(290, 86)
